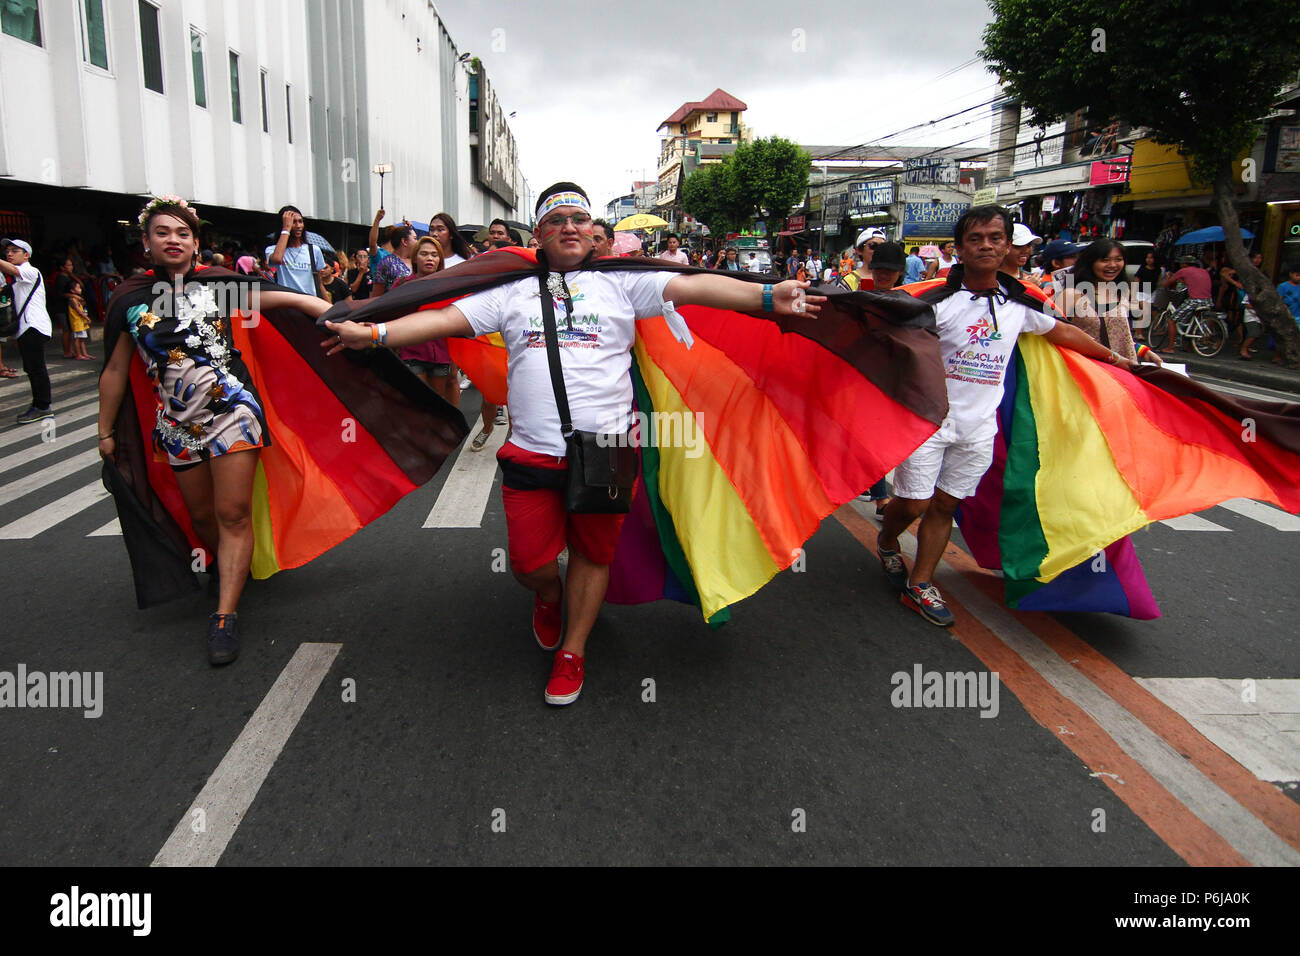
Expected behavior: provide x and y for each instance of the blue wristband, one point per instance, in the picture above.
(767, 298)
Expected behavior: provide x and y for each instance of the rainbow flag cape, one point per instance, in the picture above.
(349, 439)
(796, 415)
(1088, 453)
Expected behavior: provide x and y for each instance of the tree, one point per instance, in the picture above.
(771, 176)
(709, 195)
(1199, 78)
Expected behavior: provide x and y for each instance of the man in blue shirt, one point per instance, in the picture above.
(915, 266)
(1290, 291)
(297, 263)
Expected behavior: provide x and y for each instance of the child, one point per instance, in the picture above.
(79, 320)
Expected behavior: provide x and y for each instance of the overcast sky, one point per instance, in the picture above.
(590, 82)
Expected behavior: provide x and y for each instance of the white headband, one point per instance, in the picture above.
(568, 198)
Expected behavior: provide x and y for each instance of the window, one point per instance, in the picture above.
(200, 73)
(711, 118)
(236, 113)
(150, 48)
(266, 113)
(94, 44)
(21, 20)
(288, 111)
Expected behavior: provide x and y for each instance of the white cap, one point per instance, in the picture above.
(17, 242)
(874, 232)
(1021, 236)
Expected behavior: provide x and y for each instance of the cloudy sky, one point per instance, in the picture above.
(590, 82)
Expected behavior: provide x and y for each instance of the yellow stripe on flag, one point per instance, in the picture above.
(1084, 503)
(728, 558)
(265, 563)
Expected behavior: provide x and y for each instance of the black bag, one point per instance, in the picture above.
(8, 319)
(601, 468)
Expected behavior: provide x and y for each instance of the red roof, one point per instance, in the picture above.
(719, 101)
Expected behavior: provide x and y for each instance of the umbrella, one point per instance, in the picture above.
(929, 252)
(1209, 234)
(640, 220)
(625, 242)
(311, 238)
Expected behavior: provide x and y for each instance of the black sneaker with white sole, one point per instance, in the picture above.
(35, 414)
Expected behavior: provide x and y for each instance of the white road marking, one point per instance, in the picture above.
(62, 442)
(12, 402)
(1245, 832)
(464, 494)
(42, 519)
(87, 408)
(113, 528)
(39, 479)
(230, 791)
(1262, 735)
(1264, 514)
(1193, 523)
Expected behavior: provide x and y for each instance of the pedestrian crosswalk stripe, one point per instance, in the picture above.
(39, 479)
(61, 443)
(1265, 514)
(112, 529)
(42, 519)
(63, 417)
(19, 395)
(1259, 733)
(1193, 523)
(464, 494)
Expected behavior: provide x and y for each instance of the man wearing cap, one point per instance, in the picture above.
(1198, 284)
(1022, 246)
(869, 240)
(979, 314)
(595, 319)
(1058, 258)
(34, 328)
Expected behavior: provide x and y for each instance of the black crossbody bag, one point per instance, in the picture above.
(8, 320)
(602, 468)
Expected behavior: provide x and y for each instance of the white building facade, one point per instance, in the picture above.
(245, 106)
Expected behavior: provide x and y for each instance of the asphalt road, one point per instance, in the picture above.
(774, 740)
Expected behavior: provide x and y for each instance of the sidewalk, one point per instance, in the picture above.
(1229, 366)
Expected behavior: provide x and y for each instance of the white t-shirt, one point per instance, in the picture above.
(679, 257)
(975, 356)
(595, 354)
(452, 260)
(947, 263)
(35, 317)
(754, 265)
(295, 271)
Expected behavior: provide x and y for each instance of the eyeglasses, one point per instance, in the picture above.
(874, 245)
(557, 220)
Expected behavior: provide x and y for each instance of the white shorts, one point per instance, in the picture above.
(954, 467)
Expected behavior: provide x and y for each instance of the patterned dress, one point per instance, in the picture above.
(206, 404)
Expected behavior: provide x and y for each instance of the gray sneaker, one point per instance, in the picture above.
(895, 569)
(35, 414)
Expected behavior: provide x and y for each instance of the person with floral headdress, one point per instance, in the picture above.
(210, 425)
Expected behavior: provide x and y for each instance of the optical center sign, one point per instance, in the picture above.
(868, 197)
(924, 217)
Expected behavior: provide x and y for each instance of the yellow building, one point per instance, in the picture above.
(718, 118)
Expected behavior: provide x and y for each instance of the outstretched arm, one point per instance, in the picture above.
(1070, 337)
(312, 305)
(724, 292)
(408, 330)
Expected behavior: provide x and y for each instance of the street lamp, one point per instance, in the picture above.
(382, 169)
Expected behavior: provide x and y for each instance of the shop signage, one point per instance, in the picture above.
(1039, 146)
(795, 223)
(1106, 172)
(867, 197)
(926, 172)
(985, 196)
(931, 218)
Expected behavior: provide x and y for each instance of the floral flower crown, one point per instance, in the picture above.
(158, 202)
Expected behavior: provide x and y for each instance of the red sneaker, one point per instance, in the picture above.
(546, 623)
(566, 679)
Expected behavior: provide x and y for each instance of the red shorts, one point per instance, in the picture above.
(537, 526)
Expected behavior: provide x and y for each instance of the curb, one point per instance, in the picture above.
(1260, 372)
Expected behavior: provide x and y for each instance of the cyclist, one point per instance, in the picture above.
(1198, 282)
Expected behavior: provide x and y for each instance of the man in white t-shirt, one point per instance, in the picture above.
(34, 328)
(753, 265)
(595, 343)
(297, 262)
(674, 253)
(979, 315)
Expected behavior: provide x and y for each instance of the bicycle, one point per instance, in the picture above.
(1204, 327)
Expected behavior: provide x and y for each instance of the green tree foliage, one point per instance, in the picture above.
(1200, 77)
(763, 178)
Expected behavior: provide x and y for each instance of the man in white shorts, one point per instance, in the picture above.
(979, 314)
